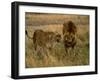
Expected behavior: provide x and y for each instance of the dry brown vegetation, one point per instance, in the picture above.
(58, 56)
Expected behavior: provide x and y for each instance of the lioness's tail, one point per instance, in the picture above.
(28, 35)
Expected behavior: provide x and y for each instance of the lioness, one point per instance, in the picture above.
(44, 41)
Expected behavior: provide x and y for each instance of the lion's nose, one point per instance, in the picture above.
(58, 40)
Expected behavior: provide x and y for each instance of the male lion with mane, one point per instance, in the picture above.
(69, 35)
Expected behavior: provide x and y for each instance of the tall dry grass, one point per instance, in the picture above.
(57, 56)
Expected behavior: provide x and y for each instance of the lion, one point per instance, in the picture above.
(69, 35)
(44, 41)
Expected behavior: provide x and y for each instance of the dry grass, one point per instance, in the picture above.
(58, 56)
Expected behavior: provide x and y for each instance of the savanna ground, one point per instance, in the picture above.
(58, 56)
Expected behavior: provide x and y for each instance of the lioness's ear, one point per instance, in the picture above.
(56, 33)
